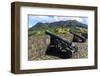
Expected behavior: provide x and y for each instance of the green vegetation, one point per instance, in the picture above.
(60, 27)
(38, 41)
(59, 31)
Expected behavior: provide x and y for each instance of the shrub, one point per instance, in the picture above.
(61, 31)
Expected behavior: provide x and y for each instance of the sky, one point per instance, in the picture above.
(32, 19)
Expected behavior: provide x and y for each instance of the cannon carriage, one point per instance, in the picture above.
(60, 47)
(78, 38)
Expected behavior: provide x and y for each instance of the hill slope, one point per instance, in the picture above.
(68, 23)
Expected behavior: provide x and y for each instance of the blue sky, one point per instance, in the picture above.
(48, 19)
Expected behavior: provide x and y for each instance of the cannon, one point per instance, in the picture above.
(78, 38)
(60, 47)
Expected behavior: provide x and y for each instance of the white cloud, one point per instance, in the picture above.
(49, 19)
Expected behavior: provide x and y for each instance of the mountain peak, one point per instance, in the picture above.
(68, 23)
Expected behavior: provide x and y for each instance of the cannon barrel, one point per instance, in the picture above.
(81, 37)
(57, 37)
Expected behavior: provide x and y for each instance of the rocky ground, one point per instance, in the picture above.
(38, 46)
(82, 50)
